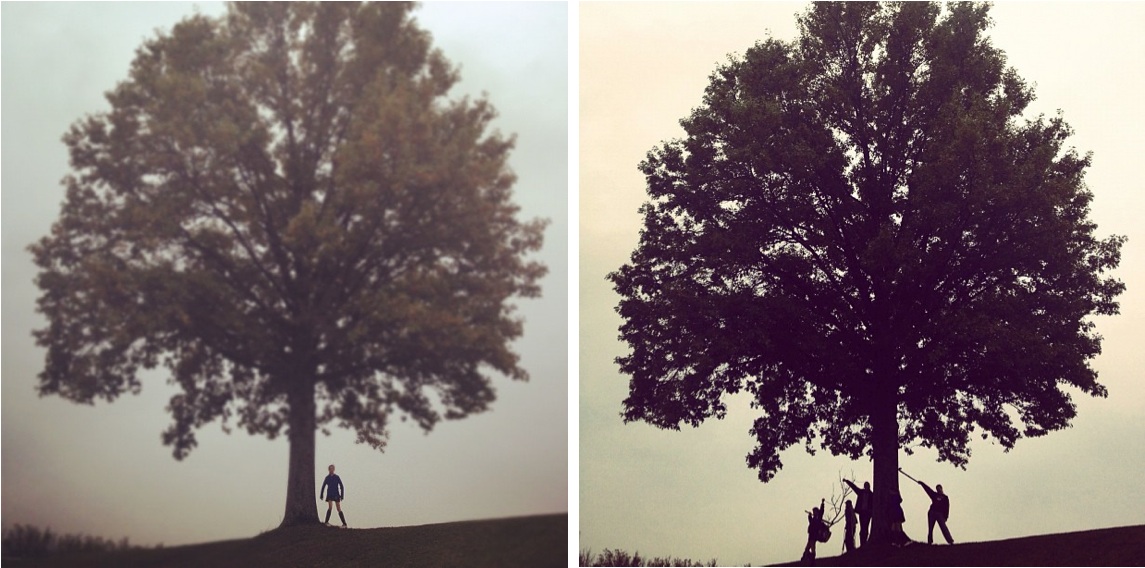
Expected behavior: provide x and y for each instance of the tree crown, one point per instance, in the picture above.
(865, 215)
(282, 198)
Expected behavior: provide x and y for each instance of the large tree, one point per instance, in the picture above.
(864, 231)
(285, 210)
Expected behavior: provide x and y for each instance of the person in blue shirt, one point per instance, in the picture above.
(334, 495)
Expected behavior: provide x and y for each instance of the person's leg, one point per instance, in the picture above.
(864, 528)
(340, 515)
(930, 520)
(898, 535)
(328, 507)
(945, 531)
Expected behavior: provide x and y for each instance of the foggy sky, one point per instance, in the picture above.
(690, 494)
(102, 470)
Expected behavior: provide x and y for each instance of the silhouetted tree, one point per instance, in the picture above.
(283, 209)
(861, 230)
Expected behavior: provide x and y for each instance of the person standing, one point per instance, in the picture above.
(864, 506)
(849, 527)
(334, 494)
(898, 518)
(938, 513)
(814, 528)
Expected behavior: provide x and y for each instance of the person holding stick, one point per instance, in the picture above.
(814, 530)
(939, 510)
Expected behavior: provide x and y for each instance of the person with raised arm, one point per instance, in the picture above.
(864, 506)
(939, 510)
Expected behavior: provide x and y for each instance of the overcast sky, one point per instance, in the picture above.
(103, 471)
(689, 493)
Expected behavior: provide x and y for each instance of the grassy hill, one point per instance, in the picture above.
(523, 541)
(1122, 546)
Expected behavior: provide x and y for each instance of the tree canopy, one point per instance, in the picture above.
(285, 210)
(864, 231)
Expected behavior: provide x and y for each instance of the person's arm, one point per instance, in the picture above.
(854, 487)
(341, 489)
(323, 489)
(929, 492)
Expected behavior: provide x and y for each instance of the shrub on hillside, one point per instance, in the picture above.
(29, 541)
(620, 558)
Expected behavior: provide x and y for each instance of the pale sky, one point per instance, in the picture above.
(689, 494)
(103, 471)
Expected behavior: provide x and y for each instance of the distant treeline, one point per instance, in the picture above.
(23, 541)
(621, 558)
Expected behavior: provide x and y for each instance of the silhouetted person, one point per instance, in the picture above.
(864, 506)
(898, 517)
(849, 527)
(334, 495)
(938, 513)
(814, 527)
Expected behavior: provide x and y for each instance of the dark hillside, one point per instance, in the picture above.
(523, 541)
(1122, 546)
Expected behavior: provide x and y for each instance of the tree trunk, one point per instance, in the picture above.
(885, 446)
(301, 502)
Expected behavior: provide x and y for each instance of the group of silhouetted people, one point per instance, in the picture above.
(859, 513)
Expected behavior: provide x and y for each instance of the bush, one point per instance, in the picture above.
(22, 541)
(620, 558)
(586, 557)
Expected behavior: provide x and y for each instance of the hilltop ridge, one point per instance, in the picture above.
(540, 540)
(1118, 546)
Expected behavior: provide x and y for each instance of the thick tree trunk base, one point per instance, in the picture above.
(301, 499)
(302, 521)
(891, 539)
